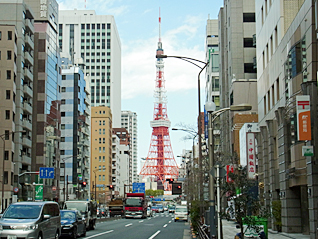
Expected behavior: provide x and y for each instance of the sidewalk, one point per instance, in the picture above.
(230, 230)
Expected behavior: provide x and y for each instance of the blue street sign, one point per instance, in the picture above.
(46, 173)
(139, 188)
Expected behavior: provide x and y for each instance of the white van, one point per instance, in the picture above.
(181, 213)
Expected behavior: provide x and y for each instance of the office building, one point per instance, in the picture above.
(129, 122)
(16, 67)
(286, 34)
(75, 133)
(94, 39)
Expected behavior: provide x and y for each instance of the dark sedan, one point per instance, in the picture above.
(72, 224)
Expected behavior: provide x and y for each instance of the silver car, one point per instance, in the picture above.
(32, 220)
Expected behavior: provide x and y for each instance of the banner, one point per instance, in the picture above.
(229, 168)
(303, 117)
(251, 162)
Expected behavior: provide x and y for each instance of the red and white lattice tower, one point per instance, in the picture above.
(160, 161)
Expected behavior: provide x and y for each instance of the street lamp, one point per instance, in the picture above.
(94, 171)
(3, 160)
(66, 178)
(193, 62)
(210, 108)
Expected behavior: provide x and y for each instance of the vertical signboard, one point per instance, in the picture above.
(229, 168)
(303, 117)
(251, 162)
(38, 193)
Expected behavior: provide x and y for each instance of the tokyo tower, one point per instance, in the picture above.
(160, 161)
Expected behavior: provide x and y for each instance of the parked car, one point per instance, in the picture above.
(73, 224)
(165, 208)
(31, 220)
(149, 212)
(103, 212)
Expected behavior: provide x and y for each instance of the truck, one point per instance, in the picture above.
(116, 207)
(135, 205)
(88, 210)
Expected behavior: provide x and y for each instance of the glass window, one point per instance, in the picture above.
(9, 35)
(249, 17)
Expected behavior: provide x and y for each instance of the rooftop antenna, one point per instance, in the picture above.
(85, 4)
(159, 26)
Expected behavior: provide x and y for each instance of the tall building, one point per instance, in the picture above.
(94, 39)
(121, 160)
(46, 92)
(101, 151)
(129, 122)
(237, 69)
(286, 34)
(75, 133)
(16, 104)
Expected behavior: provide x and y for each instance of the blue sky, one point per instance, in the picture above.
(183, 27)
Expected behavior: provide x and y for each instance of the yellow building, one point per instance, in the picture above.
(101, 157)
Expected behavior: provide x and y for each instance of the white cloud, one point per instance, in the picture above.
(138, 62)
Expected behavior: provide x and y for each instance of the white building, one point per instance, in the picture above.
(94, 39)
(129, 122)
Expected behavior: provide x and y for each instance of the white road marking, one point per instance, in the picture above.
(141, 221)
(165, 225)
(128, 225)
(96, 235)
(169, 221)
(154, 235)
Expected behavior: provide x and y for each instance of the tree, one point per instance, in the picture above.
(155, 193)
(246, 207)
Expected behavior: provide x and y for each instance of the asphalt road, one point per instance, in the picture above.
(161, 226)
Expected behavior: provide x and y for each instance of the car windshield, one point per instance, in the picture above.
(181, 209)
(133, 202)
(81, 206)
(67, 215)
(159, 206)
(23, 211)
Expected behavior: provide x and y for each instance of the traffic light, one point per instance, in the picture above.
(111, 187)
(84, 184)
(170, 180)
(176, 188)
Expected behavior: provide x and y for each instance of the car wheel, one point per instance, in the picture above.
(84, 232)
(74, 233)
(57, 236)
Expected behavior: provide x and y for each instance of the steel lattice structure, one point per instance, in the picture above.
(160, 161)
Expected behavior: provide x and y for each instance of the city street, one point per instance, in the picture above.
(161, 226)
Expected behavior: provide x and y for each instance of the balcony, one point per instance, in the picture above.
(254, 40)
(27, 107)
(29, 25)
(26, 142)
(27, 90)
(28, 58)
(87, 112)
(28, 74)
(27, 124)
(26, 159)
(28, 41)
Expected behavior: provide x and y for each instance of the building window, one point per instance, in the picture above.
(8, 75)
(63, 89)
(63, 102)
(0, 35)
(248, 42)
(8, 94)
(249, 17)
(9, 55)
(249, 68)
(63, 77)
(9, 35)
(7, 115)
(5, 177)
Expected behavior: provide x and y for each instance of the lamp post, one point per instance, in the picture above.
(194, 134)
(66, 181)
(3, 164)
(210, 108)
(195, 62)
(94, 171)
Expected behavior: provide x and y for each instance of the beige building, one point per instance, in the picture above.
(101, 153)
(286, 36)
(16, 103)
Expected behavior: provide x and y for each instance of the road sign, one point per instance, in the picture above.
(53, 188)
(47, 173)
(139, 188)
(39, 192)
(16, 190)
